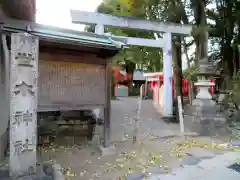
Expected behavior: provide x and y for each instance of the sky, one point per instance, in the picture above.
(57, 12)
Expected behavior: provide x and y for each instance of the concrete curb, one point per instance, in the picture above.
(54, 171)
(106, 151)
(57, 172)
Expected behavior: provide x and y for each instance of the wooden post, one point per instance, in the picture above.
(145, 88)
(180, 112)
(137, 119)
(107, 108)
(23, 104)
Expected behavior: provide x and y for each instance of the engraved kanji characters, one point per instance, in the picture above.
(25, 59)
(23, 88)
(23, 105)
(27, 117)
(18, 148)
(20, 117)
(17, 117)
(27, 146)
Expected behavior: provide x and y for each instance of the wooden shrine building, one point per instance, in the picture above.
(48, 69)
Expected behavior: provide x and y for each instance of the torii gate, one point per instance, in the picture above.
(102, 20)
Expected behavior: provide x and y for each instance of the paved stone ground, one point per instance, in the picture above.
(160, 150)
(220, 167)
(123, 111)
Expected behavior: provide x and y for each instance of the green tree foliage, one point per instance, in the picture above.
(142, 57)
(219, 17)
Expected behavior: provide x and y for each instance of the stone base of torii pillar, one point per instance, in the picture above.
(204, 116)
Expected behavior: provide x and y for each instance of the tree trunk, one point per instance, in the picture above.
(198, 7)
(20, 9)
(178, 69)
(130, 68)
(226, 49)
(177, 72)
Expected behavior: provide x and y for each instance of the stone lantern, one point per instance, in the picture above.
(204, 116)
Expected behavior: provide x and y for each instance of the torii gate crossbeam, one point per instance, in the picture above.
(138, 41)
(129, 22)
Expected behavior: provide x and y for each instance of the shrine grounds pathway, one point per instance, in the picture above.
(160, 152)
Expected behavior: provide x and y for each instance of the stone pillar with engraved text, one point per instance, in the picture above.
(23, 104)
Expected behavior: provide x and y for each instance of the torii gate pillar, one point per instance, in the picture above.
(167, 75)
